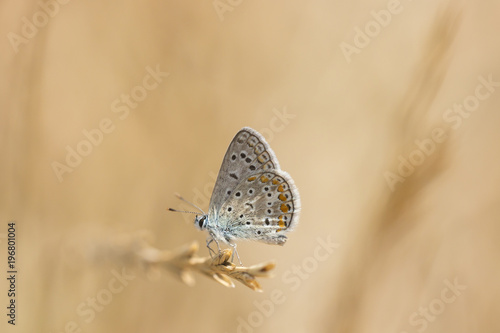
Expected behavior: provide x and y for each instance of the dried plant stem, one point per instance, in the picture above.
(183, 261)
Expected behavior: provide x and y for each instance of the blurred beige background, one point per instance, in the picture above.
(341, 90)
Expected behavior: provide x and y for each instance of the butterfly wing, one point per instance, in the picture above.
(248, 153)
(262, 207)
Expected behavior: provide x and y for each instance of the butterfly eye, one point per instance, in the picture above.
(201, 223)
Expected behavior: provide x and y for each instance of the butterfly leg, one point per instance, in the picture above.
(210, 239)
(210, 250)
(233, 245)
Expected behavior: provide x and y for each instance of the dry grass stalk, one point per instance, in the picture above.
(183, 261)
(386, 222)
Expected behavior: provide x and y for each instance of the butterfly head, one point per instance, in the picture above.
(200, 222)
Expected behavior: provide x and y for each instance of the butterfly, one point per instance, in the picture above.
(253, 199)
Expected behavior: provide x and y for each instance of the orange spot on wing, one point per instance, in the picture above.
(251, 179)
(281, 188)
(284, 208)
(282, 197)
(264, 179)
(275, 182)
(281, 223)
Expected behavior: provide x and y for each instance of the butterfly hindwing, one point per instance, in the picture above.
(247, 154)
(262, 207)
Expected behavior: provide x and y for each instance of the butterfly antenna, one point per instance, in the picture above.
(181, 211)
(192, 204)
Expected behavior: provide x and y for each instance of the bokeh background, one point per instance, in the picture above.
(341, 108)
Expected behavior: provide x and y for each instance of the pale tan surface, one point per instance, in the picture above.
(351, 121)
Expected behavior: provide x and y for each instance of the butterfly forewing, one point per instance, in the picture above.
(247, 154)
